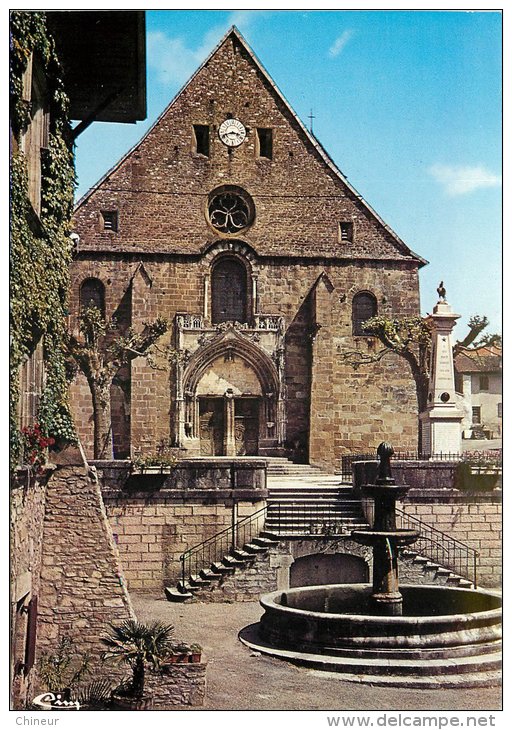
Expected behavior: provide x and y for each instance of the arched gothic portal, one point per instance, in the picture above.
(230, 397)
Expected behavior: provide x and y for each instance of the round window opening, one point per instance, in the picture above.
(230, 209)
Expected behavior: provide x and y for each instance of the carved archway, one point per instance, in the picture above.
(233, 369)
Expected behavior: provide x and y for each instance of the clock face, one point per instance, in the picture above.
(232, 132)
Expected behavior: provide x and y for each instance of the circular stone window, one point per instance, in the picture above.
(230, 209)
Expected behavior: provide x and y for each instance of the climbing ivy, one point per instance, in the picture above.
(40, 255)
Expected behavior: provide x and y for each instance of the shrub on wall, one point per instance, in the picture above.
(40, 252)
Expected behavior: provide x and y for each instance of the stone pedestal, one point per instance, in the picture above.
(442, 419)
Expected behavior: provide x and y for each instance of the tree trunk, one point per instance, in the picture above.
(103, 444)
(138, 677)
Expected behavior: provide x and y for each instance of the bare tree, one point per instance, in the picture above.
(411, 339)
(100, 352)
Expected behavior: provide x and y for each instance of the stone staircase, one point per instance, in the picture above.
(212, 575)
(305, 500)
(414, 564)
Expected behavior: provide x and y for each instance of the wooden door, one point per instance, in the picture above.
(246, 426)
(211, 426)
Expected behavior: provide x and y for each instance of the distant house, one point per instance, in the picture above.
(478, 378)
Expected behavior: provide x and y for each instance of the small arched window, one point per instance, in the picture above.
(364, 306)
(92, 294)
(229, 291)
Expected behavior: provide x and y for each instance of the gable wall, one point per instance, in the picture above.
(161, 190)
(162, 186)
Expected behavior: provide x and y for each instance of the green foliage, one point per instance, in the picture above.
(138, 645)
(40, 255)
(65, 668)
(400, 335)
(167, 461)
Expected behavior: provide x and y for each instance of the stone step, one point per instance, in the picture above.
(232, 562)
(265, 542)
(176, 596)
(460, 671)
(279, 524)
(252, 547)
(221, 568)
(313, 511)
(198, 581)
(451, 652)
(186, 587)
(243, 555)
(209, 575)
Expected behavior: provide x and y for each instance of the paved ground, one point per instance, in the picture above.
(239, 680)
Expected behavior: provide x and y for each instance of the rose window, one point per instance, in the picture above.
(230, 209)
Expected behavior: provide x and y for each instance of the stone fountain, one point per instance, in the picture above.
(384, 538)
(412, 635)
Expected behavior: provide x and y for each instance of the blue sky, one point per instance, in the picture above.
(407, 103)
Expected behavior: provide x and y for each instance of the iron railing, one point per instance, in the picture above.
(314, 518)
(440, 548)
(348, 459)
(201, 556)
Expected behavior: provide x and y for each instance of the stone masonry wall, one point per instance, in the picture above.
(82, 589)
(153, 531)
(27, 505)
(298, 267)
(178, 684)
(474, 519)
(161, 187)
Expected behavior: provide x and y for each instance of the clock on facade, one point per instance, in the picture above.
(232, 132)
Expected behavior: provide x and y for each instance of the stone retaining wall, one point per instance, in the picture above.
(82, 587)
(473, 518)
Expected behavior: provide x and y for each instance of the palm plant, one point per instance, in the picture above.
(138, 645)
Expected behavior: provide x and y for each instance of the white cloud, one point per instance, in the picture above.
(462, 179)
(174, 61)
(340, 43)
(170, 58)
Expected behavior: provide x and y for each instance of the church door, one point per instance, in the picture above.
(246, 426)
(211, 426)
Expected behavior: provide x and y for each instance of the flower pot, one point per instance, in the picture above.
(195, 657)
(125, 702)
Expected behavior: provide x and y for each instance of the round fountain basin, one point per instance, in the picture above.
(320, 619)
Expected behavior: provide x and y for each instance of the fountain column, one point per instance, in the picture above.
(384, 537)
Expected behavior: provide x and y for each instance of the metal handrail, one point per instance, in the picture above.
(310, 518)
(442, 548)
(214, 548)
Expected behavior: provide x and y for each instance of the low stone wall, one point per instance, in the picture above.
(245, 475)
(417, 474)
(178, 685)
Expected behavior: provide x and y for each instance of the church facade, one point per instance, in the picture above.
(230, 220)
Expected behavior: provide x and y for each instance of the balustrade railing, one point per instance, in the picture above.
(201, 556)
(441, 548)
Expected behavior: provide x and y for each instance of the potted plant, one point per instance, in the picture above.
(137, 645)
(183, 652)
(195, 653)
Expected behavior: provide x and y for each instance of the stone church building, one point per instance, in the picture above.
(230, 220)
